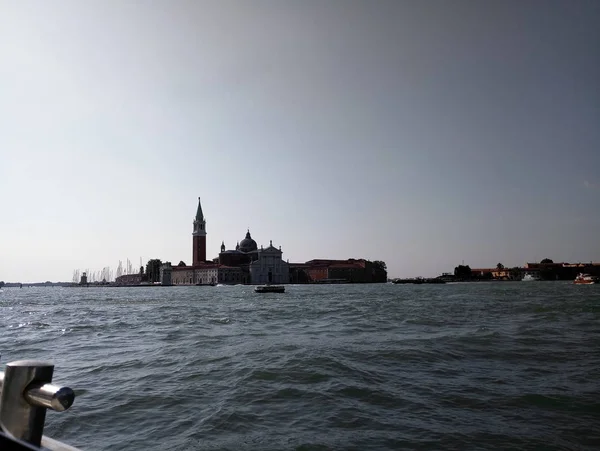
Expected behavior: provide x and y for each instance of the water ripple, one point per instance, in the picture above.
(459, 366)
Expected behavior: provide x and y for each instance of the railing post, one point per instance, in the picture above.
(23, 411)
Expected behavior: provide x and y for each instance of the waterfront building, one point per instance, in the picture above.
(544, 271)
(563, 270)
(269, 267)
(242, 265)
(497, 273)
(206, 274)
(326, 270)
(183, 275)
(166, 273)
(247, 264)
(230, 275)
(352, 271)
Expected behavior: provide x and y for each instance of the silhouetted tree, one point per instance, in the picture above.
(153, 270)
(379, 271)
(499, 266)
(380, 265)
(1, 283)
(462, 272)
(181, 263)
(546, 261)
(515, 273)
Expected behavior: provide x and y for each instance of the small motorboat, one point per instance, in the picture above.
(585, 279)
(270, 289)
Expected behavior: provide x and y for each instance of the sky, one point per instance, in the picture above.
(421, 133)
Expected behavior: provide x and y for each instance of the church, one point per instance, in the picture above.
(246, 264)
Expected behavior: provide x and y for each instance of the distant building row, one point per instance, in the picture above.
(549, 271)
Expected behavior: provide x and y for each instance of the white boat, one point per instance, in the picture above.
(270, 289)
(585, 279)
(528, 277)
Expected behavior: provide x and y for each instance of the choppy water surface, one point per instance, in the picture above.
(457, 366)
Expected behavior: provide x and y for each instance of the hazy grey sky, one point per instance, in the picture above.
(422, 133)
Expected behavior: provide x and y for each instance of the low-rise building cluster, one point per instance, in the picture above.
(545, 270)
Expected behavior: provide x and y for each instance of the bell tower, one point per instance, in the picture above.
(199, 237)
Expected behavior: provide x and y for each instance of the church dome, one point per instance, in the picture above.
(248, 244)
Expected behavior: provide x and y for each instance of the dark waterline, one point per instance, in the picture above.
(461, 366)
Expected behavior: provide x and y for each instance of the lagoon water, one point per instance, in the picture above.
(484, 366)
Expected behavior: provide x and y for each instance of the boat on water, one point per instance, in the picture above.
(585, 279)
(269, 289)
(529, 277)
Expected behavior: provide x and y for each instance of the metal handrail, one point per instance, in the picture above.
(26, 393)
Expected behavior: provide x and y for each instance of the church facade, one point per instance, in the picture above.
(246, 264)
(269, 267)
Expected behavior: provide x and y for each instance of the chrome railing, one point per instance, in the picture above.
(26, 394)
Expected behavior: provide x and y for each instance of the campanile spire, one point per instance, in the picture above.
(199, 222)
(199, 214)
(199, 237)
